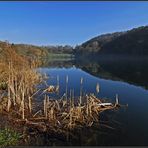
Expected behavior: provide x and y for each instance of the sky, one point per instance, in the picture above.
(72, 23)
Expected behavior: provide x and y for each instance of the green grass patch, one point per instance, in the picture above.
(3, 85)
(9, 137)
(59, 55)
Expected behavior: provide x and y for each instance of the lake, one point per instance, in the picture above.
(127, 78)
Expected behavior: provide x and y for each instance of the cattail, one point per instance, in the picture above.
(58, 86)
(45, 106)
(44, 101)
(16, 88)
(30, 106)
(66, 86)
(87, 109)
(45, 76)
(81, 82)
(23, 103)
(9, 104)
(97, 88)
(117, 100)
(23, 110)
(73, 96)
(9, 101)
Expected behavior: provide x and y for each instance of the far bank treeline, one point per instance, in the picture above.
(37, 51)
(132, 43)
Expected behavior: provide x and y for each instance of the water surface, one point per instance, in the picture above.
(128, 79)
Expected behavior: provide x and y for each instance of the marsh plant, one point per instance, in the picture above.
(18, 78)
(9, 137)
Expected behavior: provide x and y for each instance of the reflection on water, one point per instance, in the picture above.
(131, 71)
(129, 125)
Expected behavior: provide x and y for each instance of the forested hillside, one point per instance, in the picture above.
(132, 42)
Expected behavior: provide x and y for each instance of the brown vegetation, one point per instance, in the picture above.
(17, 100)
(19, 76)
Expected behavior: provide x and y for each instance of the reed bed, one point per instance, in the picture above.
(19, 80)
(56, 115)
(61, 115)
(53, 115)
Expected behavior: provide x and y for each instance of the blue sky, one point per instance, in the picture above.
(53, 23)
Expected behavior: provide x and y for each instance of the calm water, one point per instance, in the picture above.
(128, 79)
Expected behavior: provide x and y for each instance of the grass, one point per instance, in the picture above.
(59, 55)
(9, 137)
(3, 85)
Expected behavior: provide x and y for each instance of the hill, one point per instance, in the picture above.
(132, 42)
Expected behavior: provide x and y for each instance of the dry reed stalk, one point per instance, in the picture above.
(58, 85)
(48, 102)
(44, 102)
(73, 95)
(30, 105)
(58, 105)
(97, 88)
(70, 99)
(9, 105)
(23, 103)
(37, 113)
(51, 113)
(16, 88)
(45, 106)
(81, 83)
(87, 108)
(117, 100)
(12, 85)
(9, 97)
(66, 90)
